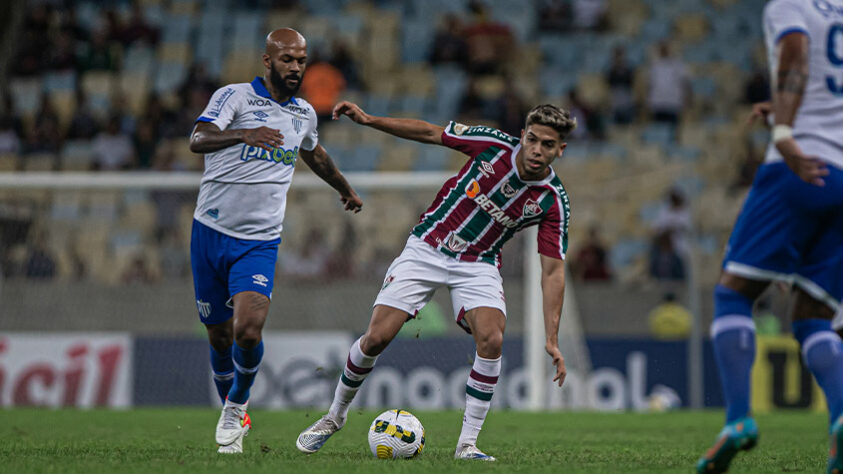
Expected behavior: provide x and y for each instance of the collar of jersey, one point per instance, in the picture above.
(542, 182)
(260, 90)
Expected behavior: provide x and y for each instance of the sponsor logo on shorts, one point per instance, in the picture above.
(260, 280)
(507, 190)
(387, 281)
(204, 309)
(531, 208)
(455, 243)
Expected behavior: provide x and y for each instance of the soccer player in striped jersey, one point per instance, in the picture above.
(251, 135)
(791, 225)
(505, 186)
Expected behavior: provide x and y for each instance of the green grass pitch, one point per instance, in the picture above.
(181, 440)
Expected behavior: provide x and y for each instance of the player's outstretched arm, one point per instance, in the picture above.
(321, 163)
(208, 138)
(410, 129)
(553, 293)
(791, 78)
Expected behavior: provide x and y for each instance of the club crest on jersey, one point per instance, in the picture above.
(507, 190)
(531, 209)
(387, 281)
(486, 169)
(455, 243)
(297, 124)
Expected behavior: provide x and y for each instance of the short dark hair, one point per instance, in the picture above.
(554, 117)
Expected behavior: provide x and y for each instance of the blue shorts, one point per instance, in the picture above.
(224, 266)
(792, 231)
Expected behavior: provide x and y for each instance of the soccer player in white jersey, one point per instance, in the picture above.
(251, 135)
(791, 225)
(505, 186)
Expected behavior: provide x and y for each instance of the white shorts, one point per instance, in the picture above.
(420, 270)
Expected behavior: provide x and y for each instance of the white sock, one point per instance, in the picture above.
(356, 369)
(478, 397)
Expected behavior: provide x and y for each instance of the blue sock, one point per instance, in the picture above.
(822, 351)
(246, 363)
(733, 333)
(223, 371)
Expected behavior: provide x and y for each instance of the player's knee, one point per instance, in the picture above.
(490, 344)
(373, 343)
(247, 337)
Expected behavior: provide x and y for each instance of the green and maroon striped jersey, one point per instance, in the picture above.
(486, 202)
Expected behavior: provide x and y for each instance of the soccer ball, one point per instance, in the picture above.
(396, 434)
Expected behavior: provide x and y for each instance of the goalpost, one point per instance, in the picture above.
(537, 364)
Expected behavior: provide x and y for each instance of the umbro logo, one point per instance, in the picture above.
(486, 169)
(260, 280)
(261, 116)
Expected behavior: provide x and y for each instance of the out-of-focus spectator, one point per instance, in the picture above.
(555, 15)
(158, 114)
(310, 262)
(511, 110)
(112, 149)
(44, 134)
(489, 42)
(590, 263)
(137, 29)
(665, 262)
(322, 85)
(138, 271)
(83, 124)
(589, 121)
(34, 42)
(9, 139)
(589, 14)
(449, 46)
(341, 262)
(198, 79)
(40, 263)
(62, 52)
(757, 87)
(168, 203)
(174, 261)
(620, 78)
(145, 141)
(472, 105)
(342, 59)
(674, 218)
(99, 54)
(669, 86)
(670, 320)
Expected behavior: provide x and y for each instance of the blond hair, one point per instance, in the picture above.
(554, 117)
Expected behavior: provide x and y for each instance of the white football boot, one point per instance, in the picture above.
(314, 437)
(237, 446)
(470, 451)
(232, 423)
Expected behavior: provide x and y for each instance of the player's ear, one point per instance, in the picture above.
(266, 61)
(562, 149)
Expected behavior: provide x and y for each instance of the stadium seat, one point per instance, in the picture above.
(76, 155)
(177, 28)
(40, 162)
(432, 159)
(26, 94)
(169, 76)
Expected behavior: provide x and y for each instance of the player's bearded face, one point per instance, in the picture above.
(286, 85)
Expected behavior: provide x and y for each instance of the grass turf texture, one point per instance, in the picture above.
(181, 440)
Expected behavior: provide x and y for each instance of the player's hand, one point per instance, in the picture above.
(760, 110)
(263, 137)
(809, 168)
(352, 110)
(558, 361)
(352, 201)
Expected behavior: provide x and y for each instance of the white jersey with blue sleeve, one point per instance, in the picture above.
(817, 128)
(243, 192)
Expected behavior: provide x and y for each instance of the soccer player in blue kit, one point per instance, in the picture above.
(251, 135)
(791, 226)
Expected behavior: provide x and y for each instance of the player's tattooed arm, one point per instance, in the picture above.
(411, 129)
(208, 138)
(553, 293)
(791, 77)
(321, 163)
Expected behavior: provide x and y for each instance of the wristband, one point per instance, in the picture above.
(782, 132)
